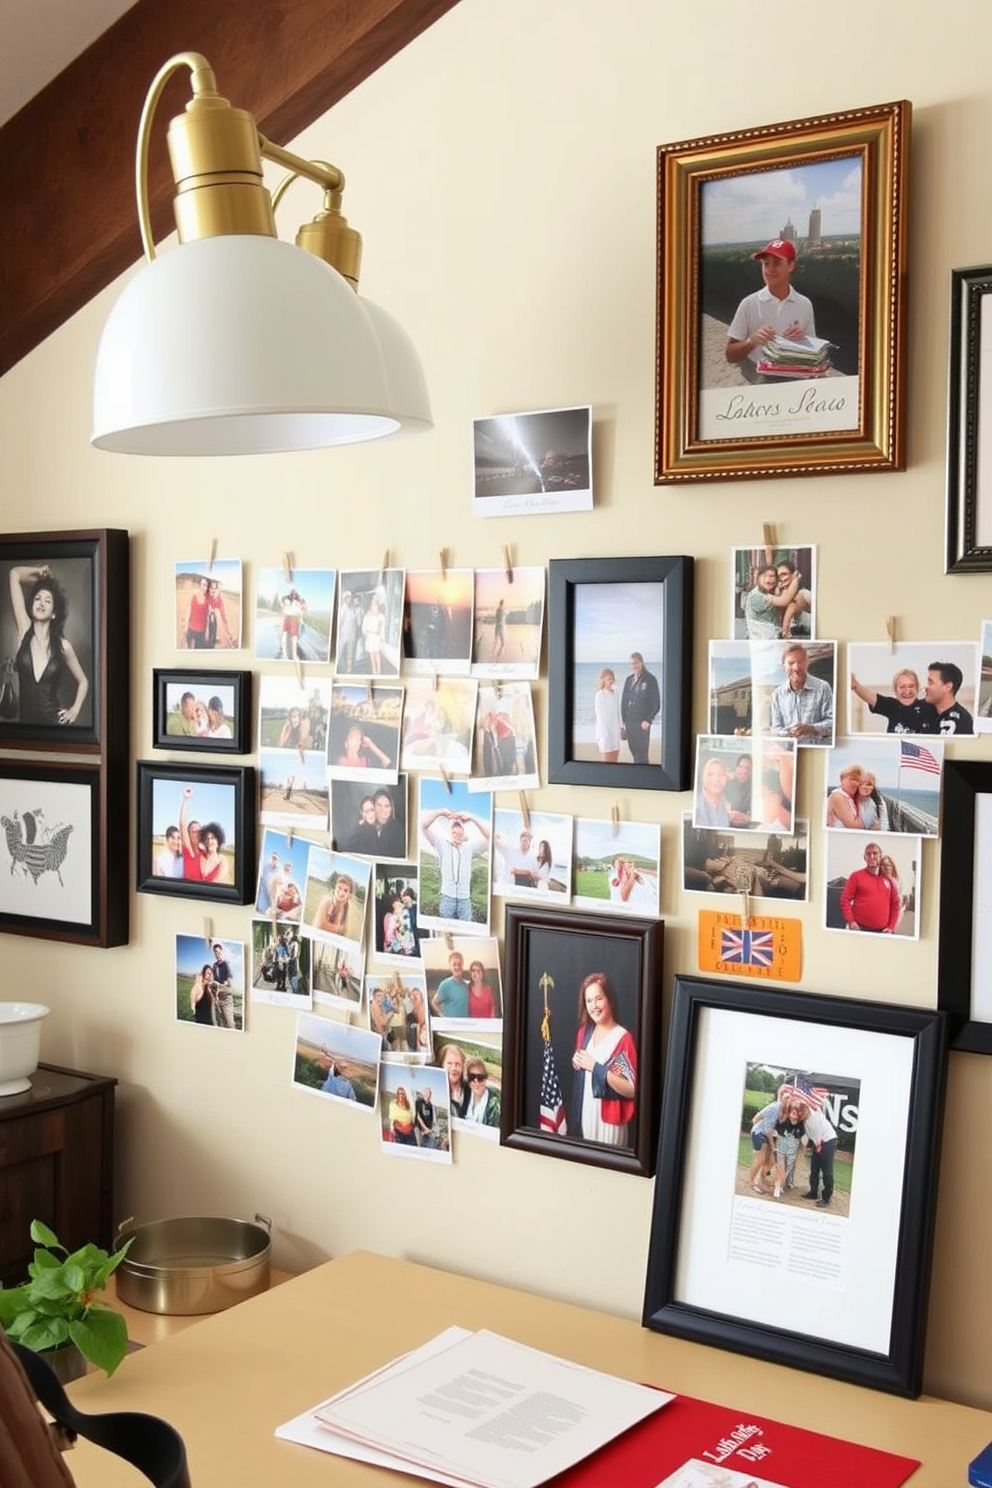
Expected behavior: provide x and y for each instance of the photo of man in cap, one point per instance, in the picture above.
(774, 310)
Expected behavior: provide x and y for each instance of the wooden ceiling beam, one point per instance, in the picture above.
(67, 158)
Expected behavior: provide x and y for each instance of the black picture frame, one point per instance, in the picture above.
(893, 1059)
(62, 883)
(968, 538)
(965, 884)
(675, 575)
(91, 569)
(568, 947)
(227, 796)
(168, 686)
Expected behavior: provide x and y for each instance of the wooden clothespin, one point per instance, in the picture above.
(287, 567)
(383, 565)
(212, 554)
(890, 631)
(299, 671)
(769, 530)
(747, 907)
(368, 691)
(497, 690)
(449, 940)
(508, 566)
(445, 778)
(615, 819)
(434, 681)
(442, 562)
(525, 810)
(208, 928)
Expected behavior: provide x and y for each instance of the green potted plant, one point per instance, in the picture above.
(57, 1308)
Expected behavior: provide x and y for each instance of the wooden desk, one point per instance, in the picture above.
(153, 1327)
(230, 1380)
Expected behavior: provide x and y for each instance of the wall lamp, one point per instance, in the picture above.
(236, 342)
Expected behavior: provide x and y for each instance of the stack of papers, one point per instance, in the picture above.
(476, 1409)
(809, 357)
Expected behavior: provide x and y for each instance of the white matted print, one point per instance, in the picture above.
(745, 783)
(294, 610)
(505, 747)
(617, 866)
(336, 973)
(437, 621)
(884, 785)
(474, 1070)
(414, 1114)
(782, 688)
(464, 986)
(398, 1015)
(509, 621)
(531, 464)
(872, 884)
(767, 865)
(370, 622)
(774, 593)
(48, 839)
(210, 982)
(438, 722)
(293, 790)
(983, 710)
(363, 732)
(336, 1060)
(532, 858)
(334, 897)
(454, 834)
(927, 687)
(764, 1271)
(280, 964)
(208, 604)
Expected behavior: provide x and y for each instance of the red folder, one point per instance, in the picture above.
(789, 1456)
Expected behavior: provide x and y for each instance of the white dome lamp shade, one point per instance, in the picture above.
(239, 343)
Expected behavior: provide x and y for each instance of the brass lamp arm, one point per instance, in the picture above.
(239, 160)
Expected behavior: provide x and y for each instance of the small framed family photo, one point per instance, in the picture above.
(841, 1098)
(620, 674)
(206, 711)
(64, 633)
(196, 832)
(581, 1032)
(780, 322)
(63, 883)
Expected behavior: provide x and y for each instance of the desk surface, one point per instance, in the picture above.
(230, 1380)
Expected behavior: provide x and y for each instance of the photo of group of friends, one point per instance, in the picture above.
(773, 688)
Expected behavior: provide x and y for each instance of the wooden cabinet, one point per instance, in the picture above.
(56, 1164)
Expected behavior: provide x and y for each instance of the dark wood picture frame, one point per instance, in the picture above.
(239, 814)
(706, 431)
(171, 683)
(47, 813)
(567, 948)
(965, 886)
(91, 571)
(969, 517)
(675, 574)
(898, 1056)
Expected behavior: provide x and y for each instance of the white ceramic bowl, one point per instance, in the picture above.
(20, 1044)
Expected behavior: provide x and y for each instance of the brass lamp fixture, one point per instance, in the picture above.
(237, 342)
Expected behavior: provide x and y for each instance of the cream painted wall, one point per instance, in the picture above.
(502, 173)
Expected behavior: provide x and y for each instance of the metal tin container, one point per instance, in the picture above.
(183, 1267)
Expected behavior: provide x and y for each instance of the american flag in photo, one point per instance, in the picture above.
(552, 1100)
(813, 1095)
(918, 757)
(747, 947)
(621, 1066)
